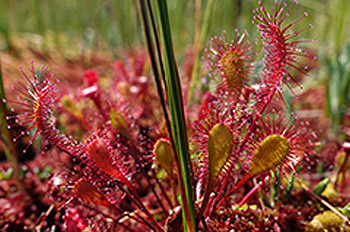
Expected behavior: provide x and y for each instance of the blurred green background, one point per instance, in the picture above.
(76, 27)
(117, 22)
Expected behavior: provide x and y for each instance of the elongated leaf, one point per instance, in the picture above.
(321, 186)
(289, 187)
(165, 155)
(220, 146)
(270, 153)
(98, 150)
(178, 123)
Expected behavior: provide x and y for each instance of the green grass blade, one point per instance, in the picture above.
(153, 58)
(178, 123)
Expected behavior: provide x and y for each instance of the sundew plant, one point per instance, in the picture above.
(144, 156)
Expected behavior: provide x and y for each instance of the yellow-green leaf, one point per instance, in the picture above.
(220, 147)
(269, 154)
(165, 155)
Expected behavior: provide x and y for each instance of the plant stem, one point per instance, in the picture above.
(135, 198)
(162, 189)
(342, 167)
(250, 193)
(151, 186)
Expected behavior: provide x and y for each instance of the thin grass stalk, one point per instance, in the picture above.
(342, 170)
(196, 45)
(197, 24)
(154, 61)
(110, 11)
(159, 53)
(178, 123)
(159, 85)
(155, 68)
(156, 76)
(10, 150)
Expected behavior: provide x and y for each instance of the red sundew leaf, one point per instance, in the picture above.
(73, 221)
(220, 146)
(231, 60)
(89, 193)
(35, 101)
(270, 153)
(279, 143)
(119, 71)
(98, 151)
(280, 45)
